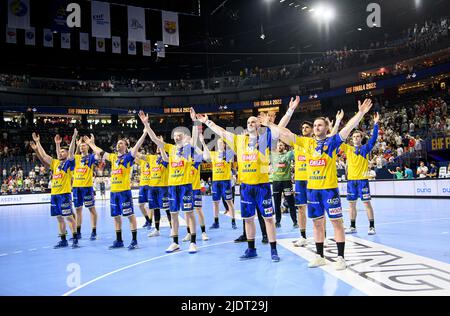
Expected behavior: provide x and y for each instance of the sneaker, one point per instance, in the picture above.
(340, 264)
(295, 226)
(192, 248)
(146, 225)
(277, 225)
(61, 244)
(265, 240)
(249, 254)
(173, 247)
(187, 238)
(302, 242)
(274, 254)
(78, 235)
(133, 245)
(116, 244)
(325, 243)
(154, 233)
(75, 244)
(214, 226)
(241, 238)
(205, 237)
(371, 231)
(233, 225)
(317, 262)
(93, 236)
(350, 230)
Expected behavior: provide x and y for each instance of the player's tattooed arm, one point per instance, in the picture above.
(363, 108)
(293, 104)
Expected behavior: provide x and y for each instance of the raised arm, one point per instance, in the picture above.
(150, 132)
(283, 133)
(35, 148)
(58, 141)
(97, 150)
(339, 117)
(137, 146)
(287, 117)
(163, 152)
(73, 145)
(216, 128)
(374, 137)
(354, 121)
(46, 159)
(206, 151)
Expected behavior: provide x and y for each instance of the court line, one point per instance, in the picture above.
(3, 254)
(142, 262)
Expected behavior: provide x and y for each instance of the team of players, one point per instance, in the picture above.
(170, 180)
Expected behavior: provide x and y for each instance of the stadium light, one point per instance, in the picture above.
(323, 13)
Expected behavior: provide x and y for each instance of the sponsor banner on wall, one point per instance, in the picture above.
(100, 18)
(19, 14)
(170, 28)
(84, 41)
(116, 45)
(425, 188)
(48, 38)
(136, 24)
(11, 35)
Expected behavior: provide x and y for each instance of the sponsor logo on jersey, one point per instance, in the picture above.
(81, 170)
(301, 158)
(249, 157)
(317, 163)
(57, 176)
(117, 171)
(156, 169)
(176, 164)
(219, 165)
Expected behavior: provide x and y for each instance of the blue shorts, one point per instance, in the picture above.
(221, 190)
(197, 198)
(61, 205)
(300, 193)
(358, 189)
(180, 197)
(143, 194)
(320, 201)
(158, 198)
(83, 195)
(256, 196)
(121, 203)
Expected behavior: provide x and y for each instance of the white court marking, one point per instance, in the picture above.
(142, 262)
(375, 269)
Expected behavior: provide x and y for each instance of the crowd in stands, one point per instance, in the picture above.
(417, 39)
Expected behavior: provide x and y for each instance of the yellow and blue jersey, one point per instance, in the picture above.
(145, 170)
(121, 172)
(159, 172)
(253, 157)
(62, 176)
(358, 157)
(84, 171)
(180, 164)
(321, 161)
(221, 165)
(300, 157)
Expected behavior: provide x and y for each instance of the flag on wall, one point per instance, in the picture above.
(136, 24)
(147, 48)
(160, 49)
(100, 18)
(11, 35)
(131, 47)
(84, 41)
(65, 40)
(100, 44)
(170, 28)
(19, 14)
(48, 38)
(116, 45)
(30, 36)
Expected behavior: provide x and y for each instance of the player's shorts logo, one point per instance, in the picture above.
(268, 210)
(334, 201)
(335, 211)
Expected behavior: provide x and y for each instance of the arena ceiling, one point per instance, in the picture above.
(217, 35)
